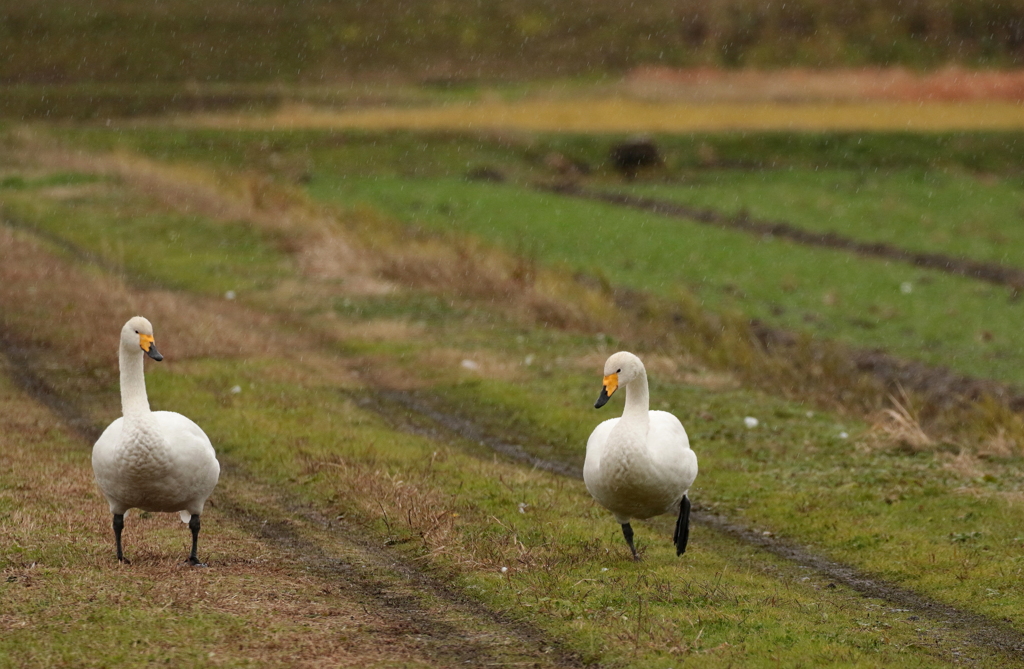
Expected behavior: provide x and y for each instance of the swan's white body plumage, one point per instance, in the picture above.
(639, 465)
(164, 462)
(151, 460)
(636, 472)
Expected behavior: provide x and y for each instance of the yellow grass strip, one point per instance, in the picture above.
(624, 115)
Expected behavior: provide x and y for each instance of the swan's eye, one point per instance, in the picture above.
(618, 371)
(136, 332)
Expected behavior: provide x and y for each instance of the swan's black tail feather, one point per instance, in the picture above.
(682, 533)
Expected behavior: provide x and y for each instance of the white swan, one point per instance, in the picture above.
(152, 460)
(640, 465)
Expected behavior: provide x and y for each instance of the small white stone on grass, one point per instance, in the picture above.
(843, 435)
(469, 364)
(230, 295)
(528, 360)
(906, 288)
(504, 569)
(750, 422)
(236, 389)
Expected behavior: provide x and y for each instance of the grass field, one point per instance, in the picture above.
(463, 298)
(923, 194)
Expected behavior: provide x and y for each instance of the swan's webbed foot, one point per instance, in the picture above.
(118, 527)
(193, 524)
(627, 532)
(682, 533)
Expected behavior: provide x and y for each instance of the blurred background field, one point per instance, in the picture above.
(386, 248)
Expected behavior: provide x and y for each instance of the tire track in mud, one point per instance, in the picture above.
(980, 630)
(395, 589)
(1000, 275)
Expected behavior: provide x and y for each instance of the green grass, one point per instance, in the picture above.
(927, 211)
(955, 193)
(355, 152)
(172, 249)
(972, 327)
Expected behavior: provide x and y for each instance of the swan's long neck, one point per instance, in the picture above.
(638, 402)
(631, 432)
(626, 451)
(134, 402)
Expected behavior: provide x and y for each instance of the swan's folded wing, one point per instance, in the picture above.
(195, 461)
(670, 448)
(595, 447)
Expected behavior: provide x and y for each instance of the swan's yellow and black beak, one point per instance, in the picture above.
(148, 345)
(611, 384)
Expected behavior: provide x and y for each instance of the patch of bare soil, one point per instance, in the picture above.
(951, 84)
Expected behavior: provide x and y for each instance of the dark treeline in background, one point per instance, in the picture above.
(239, 41)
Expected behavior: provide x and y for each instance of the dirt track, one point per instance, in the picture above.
(405, 617)
(982, 631)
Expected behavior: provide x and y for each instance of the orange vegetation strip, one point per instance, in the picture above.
(625, 115)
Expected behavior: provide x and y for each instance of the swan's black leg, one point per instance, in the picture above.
(627, 532)
(682, 534)
(118, 526)
(193, 524)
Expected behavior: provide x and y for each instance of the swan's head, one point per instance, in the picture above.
(619, 370)
(139, 332)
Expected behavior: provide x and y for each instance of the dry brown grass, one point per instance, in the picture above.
(412, 507)
(999, 445)
(899, 426)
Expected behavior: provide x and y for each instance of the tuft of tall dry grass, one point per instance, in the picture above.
(899, 425)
